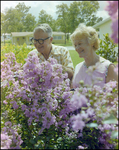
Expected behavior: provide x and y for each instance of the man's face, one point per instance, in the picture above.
(46, 46)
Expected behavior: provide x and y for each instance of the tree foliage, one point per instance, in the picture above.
(19, 19)
(29, 22)
(62, 11)
(46, 18)
(83, 12)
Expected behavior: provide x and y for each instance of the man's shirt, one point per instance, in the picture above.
(60, 53)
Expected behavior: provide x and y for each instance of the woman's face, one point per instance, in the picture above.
(83, 48)
(46, 46)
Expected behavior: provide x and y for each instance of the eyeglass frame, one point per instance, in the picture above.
(39, 39)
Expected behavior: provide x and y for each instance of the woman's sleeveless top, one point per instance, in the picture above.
(91, 77)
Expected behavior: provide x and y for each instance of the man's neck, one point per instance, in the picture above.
(46, 56)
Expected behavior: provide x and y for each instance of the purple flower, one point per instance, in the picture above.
(5, 102)
(112, 9)
(78, 124)
(90, 112)
(6, 141)
(81, 147)
(8, 123)
(15, 106)
(78, 100)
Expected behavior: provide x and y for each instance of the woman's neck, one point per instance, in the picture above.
(92, 60)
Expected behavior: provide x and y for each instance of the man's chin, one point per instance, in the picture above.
(40, 50)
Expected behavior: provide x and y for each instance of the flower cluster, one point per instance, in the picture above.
(10, 139)
(40, 92)
(39, 98)
(8, 67)
(112, 9)
(93, 108)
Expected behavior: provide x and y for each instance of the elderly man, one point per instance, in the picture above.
(42, 41)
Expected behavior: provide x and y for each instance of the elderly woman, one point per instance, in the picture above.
(86, 42)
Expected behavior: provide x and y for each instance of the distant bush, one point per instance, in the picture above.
(20, 51)
(7, 41)
(107, 49)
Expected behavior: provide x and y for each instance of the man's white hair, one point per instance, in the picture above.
(45, 27)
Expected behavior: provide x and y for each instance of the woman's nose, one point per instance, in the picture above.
(77, 47)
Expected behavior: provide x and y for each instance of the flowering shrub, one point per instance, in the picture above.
(20, 51)
(50, 115)
(112, 9)
(107, 49)
(40, 112)
(36, 93)
(10, 139)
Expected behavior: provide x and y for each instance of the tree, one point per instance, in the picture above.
(29, 22)
(46, 18)
(78, 12)
(73, 15)
(88, 11)
(62, 11)
(3, 27)
(17, 19)
(23, 11)
(10, 21)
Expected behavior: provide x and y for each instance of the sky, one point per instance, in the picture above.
(50, 7)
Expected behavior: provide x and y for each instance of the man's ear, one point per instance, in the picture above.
(51, 39)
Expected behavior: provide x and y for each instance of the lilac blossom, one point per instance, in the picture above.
(10, 139)
(78, 123)
(112, 9)
(42, 94)
(81, 147)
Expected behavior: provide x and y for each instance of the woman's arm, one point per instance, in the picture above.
(111, 75)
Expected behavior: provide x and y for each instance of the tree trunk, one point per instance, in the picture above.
(65, 38)
(4, 39)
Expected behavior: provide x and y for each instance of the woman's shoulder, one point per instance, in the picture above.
(79, 64)
(103, 60)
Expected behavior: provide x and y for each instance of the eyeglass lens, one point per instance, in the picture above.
(39, 41)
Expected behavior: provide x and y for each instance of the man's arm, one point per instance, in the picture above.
(67, 63)
(69, 71)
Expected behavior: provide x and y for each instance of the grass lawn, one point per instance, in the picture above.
(75, 57)
(68, 43)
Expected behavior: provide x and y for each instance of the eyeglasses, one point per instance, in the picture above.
(40, 41)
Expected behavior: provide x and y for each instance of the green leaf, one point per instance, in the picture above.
(32, 141)
(110, 120)
(114, 134)
(92, 125)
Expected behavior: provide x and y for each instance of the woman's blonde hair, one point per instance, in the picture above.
(86, 32)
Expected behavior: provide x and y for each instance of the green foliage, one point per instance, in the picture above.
(52, 138)
(46, 18)
(29, 23)
(106, 49)
(20, 51)
(19, 19)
